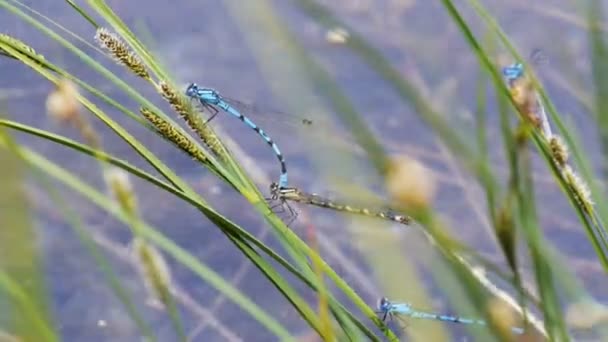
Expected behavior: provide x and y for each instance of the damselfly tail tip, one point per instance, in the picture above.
(503, 316)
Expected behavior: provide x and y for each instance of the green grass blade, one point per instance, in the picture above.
(82, 13)
(595, 224)
(20, 260)
(235, 235)
(550, 304)
(293, 246)
(111, 123)
(29, 324)
(158, 239)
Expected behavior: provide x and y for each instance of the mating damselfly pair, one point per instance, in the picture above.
(282, 192)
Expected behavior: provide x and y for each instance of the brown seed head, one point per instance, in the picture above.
(62, 103)
(559, 150)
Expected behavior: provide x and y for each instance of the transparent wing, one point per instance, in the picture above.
(258, 113)
(401, 321)
(283, 123)
(538, 56)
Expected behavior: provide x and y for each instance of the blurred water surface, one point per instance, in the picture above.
(198, 41)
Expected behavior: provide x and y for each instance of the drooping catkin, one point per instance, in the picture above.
(502, 315)
(150, 263)
(193, 120)
(121, 51)
(174, 135)
(410, 183)
(121, 189)
(153, 270)
(62, 105)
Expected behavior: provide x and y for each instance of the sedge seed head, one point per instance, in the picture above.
(172, 133)
(174, 99)
(121, 188)
(195, 122)
(123, 54)
(580, 188)
(559, 150)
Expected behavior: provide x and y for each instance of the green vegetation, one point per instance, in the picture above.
(526, 281)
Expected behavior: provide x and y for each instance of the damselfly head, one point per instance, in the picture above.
(513, 71)
(383, 304)
(274, 191)
(192, 90)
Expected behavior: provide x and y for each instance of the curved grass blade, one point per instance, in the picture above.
(406, 90)
(171, 248)
(295, 241)
(240, 178)
(235, 231)
(550, 305)
(260, 15)
(140, 148)
(236, 236)
(86, 239)
(37, 327)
